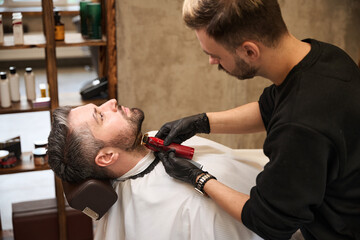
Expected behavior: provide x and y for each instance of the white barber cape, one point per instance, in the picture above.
(157, 206)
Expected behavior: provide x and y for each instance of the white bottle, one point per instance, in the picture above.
(5, 91)
(18, 28)
(1, 31)
(29, 78)
(14, 85)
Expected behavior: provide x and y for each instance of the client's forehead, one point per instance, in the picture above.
(80, 115)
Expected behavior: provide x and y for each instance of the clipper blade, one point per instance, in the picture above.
(144, 139)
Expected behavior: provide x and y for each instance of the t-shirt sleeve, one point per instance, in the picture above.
(291, 184)
(266, 104)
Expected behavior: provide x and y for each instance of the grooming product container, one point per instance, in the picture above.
(14, 85)
(29, 78)
(18, 31)
(41, 144)
(40, 156)
(83, 17)
(94, 20)
(42, 87)
(59, 27)
(4, 91)
(7, 159)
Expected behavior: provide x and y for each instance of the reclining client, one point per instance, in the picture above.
(104, 142)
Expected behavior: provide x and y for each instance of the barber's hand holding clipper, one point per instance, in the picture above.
(180, 130)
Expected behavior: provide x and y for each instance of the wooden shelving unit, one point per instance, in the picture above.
(45, 40)
(25, 165)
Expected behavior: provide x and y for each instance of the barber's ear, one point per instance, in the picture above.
(106, 157)
(249, 50)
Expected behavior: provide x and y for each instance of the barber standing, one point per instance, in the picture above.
(311, 115)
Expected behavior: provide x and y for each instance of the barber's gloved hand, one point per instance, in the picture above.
(179, 168)
(180, 130)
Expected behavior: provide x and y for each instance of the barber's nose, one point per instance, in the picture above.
(213, 60)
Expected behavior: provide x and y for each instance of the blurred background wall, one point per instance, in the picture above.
(162, 69)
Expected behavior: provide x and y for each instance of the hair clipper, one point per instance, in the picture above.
(157, 144)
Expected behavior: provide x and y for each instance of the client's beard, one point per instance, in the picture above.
(130, 141)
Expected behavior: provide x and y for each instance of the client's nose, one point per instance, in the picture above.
(111, 105)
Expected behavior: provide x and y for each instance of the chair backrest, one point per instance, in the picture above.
(93, 197)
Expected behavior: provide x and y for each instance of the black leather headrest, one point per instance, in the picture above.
(93, 197)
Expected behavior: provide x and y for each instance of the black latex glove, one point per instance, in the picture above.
(180, 130)
(179, 168)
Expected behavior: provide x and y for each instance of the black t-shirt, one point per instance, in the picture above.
(312, 180)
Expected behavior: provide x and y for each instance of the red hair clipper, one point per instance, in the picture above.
(157, 144)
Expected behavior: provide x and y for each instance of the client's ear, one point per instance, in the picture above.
(106, 156)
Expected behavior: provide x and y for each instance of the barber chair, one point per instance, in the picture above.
(38, 219)
(93, 197)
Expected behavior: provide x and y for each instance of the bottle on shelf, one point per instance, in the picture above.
(94, 20)
(18, 28)
(43, 91)
(59, 27)
(4, 90)
(14, 85)
(83, 17)
(29, 78)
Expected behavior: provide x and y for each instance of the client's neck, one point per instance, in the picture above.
(127, 160)
(140, 152)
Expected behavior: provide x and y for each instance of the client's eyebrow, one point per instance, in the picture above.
(95, 116)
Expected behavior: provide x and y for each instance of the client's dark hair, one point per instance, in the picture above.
(72, 151)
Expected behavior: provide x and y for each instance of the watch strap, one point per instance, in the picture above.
(201, 182)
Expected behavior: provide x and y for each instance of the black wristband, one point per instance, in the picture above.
(201, 182)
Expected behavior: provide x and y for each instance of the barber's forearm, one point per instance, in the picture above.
(228, 199)
(243, 119)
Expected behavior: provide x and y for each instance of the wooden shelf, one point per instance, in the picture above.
(34, 40)
(37, 40)
(75, 40)
(22, 106)
(25, 165)
(37, 11)
(65, 99)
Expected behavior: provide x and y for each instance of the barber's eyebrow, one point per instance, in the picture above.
(95, 116)
(210, 54)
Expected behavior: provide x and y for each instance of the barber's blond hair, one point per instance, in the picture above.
(231, 22)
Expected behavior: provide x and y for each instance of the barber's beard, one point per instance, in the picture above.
(129, 139)
(242, 70)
